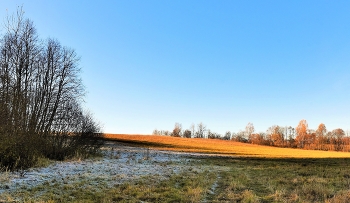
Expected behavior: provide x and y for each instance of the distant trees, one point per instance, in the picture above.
(193, 130)
(201, 130)
(337, 139)
(290, 135)
(301, 130)
(187, 134)
(239, 136)
(213, 135)
(260, 139)
(227, 136)
(276, 137)
(177, 131)
(40, 98)
(300, 137)
(321, 139)
(161, 132)
(249, 129)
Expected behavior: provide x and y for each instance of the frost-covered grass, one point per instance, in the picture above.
(134, 174)
(119, 164)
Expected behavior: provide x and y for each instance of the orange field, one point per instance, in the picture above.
(223, 147)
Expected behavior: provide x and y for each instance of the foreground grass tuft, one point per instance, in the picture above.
(188, 187)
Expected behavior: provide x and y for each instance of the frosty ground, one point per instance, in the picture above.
(120, 163)
(126, 173)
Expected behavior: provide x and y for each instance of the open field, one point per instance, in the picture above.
(81, 180)
(127, 172)
(223, 147)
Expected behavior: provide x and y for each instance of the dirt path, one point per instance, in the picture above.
(212, 190)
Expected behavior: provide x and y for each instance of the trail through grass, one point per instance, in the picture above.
(281, 180)
(196, 179)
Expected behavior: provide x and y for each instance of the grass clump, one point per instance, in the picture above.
(184, 187)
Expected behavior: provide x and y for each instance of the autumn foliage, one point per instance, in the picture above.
(278, 136)
(221, 147)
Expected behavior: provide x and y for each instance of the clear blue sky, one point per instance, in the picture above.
(149, 64)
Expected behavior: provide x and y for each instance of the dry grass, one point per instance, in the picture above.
(222, 147)
(244, 178)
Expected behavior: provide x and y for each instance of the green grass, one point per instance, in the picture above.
(219, 180)
(184, 187)
(282, 180)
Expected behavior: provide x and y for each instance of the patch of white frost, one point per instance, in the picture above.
(120, 163)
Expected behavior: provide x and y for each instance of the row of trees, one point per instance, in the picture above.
(298, 137)
(302, 137)
(200, 132)
(40, 99)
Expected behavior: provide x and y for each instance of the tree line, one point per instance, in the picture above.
(41, 95)
(299, 137)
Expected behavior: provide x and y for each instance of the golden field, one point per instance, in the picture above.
(223, 147)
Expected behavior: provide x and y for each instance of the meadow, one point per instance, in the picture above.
(223, 147)
(141, 168)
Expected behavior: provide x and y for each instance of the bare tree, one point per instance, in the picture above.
(40, 95)
(201, 130)
(156, 132)
(239, 136)
(276, 135)
(213, 135)
(321, 139)
(177, 131)
(249, 129)
(227, 136)
(166, 132)
(193, 130)
(290, 136)
(302, 130)
(187, 134)
(338, 135)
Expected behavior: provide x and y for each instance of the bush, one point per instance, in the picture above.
(187, 134)
(19, 152)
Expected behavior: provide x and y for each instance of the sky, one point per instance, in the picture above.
(149, 64)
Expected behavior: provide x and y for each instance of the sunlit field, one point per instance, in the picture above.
(131, 171)
(223, 147)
